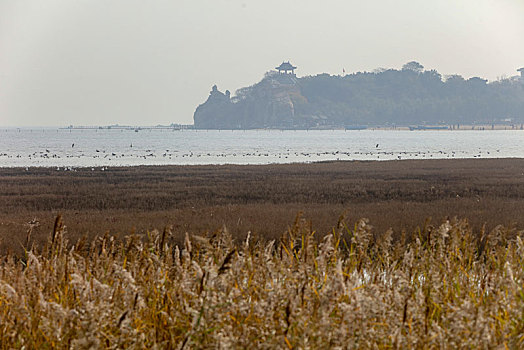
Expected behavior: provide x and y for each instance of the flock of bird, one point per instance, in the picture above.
(250, 157)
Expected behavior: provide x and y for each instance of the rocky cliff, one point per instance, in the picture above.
(271, 103)
(216, 112)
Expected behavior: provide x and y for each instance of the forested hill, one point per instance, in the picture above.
(410, 96)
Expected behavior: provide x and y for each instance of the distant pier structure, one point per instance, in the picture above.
(521, 70)
(288, 68)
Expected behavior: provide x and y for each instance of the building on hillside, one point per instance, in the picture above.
(521, 70)
(286, 68)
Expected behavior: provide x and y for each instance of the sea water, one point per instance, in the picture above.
(69, 148)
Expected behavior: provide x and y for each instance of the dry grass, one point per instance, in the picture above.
(398, 195)
(450, 287)
(444, 283)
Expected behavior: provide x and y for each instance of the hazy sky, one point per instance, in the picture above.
(100, 62)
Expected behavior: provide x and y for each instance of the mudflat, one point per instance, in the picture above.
(262, 199)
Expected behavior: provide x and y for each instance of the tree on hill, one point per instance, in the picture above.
(407, 96)
(413, 66)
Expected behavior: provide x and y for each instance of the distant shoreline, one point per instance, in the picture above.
(181, 127)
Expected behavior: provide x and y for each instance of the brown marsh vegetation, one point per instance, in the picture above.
(262, 199)
(447, 288)
(110, 280)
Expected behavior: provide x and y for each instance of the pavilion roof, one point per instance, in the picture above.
(286, 66)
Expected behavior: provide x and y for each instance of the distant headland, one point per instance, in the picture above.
(409, 97)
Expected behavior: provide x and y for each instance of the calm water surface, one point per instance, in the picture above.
(100, 148)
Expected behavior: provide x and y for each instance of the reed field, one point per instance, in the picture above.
(372, 255)
(446, 288)
(392, 194)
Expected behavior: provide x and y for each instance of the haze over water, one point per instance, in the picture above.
(52, 147)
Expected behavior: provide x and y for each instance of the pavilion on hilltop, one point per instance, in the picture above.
(285, 68)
